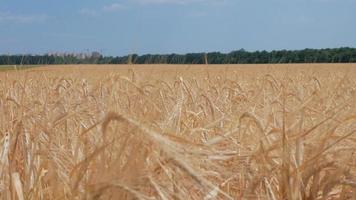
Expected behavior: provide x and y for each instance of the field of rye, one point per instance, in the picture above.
(179, 132)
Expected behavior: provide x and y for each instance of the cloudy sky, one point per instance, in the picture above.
(119, 27)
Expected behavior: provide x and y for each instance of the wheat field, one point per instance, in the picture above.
(179, 132)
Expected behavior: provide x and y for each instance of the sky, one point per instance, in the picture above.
(120, 27)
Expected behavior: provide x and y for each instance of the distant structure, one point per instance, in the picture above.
(129, 59)
(80, 55)
(206, 59)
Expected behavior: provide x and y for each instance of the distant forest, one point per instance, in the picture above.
(334, 55)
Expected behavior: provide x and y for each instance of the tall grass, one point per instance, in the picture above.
(131, 136)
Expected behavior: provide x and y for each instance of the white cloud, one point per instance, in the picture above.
(105, 9)
(88, 12)
(113, 7)
(15, 18)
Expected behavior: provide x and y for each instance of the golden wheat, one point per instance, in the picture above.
(178, 132)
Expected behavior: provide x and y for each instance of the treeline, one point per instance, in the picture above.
(335, 55)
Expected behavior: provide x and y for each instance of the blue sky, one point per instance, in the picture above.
(119, 27)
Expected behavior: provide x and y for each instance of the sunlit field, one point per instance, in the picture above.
(178, 132)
